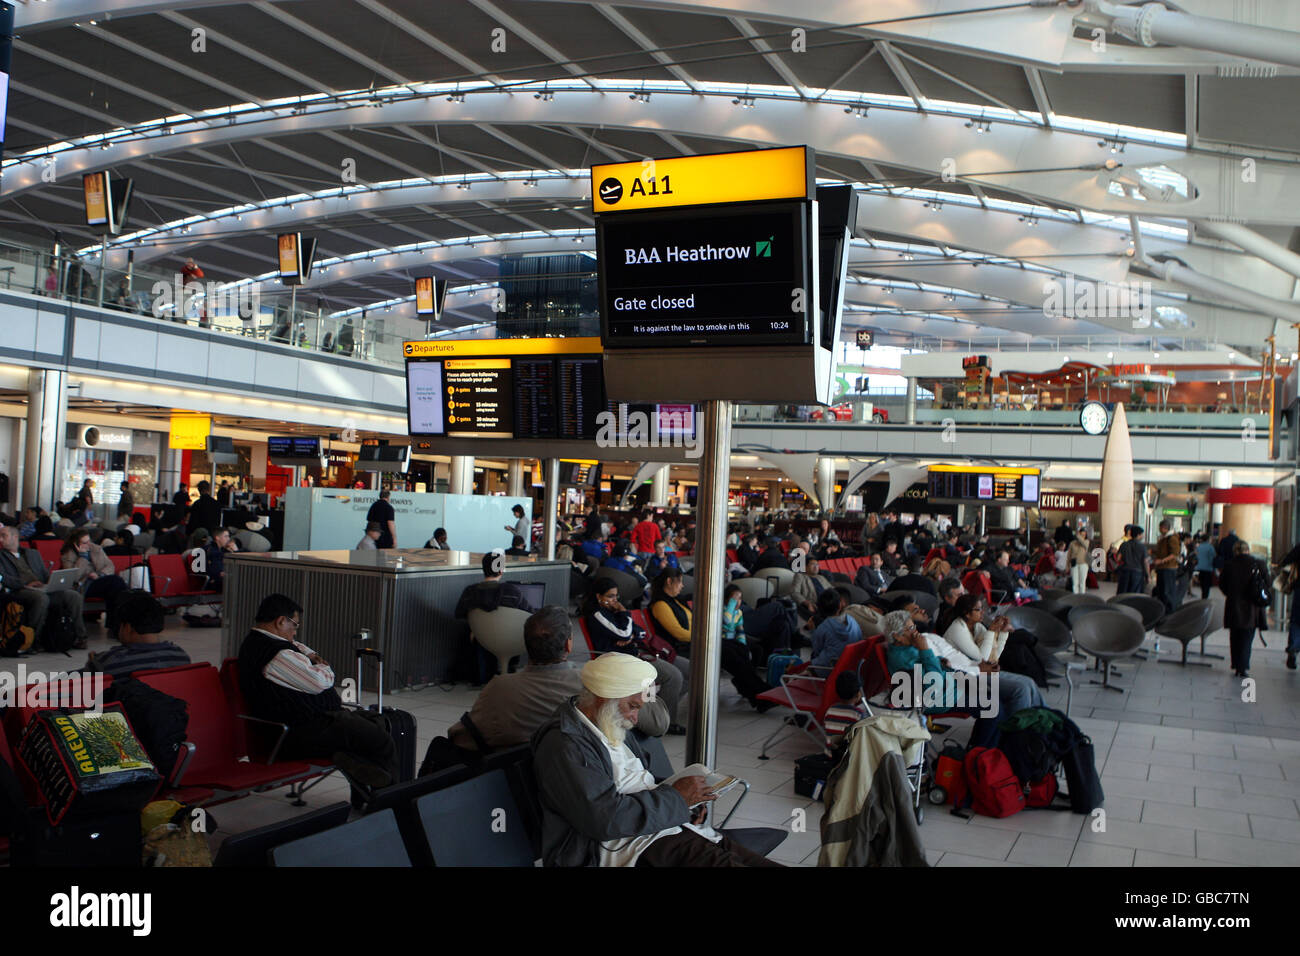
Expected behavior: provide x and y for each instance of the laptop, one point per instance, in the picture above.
(64, 580)
(534, 593)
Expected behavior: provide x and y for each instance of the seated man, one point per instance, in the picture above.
(836, 631)
(439, 540)
(661, 559)
(890, 558)
(214, 554)
(621, 560)
(594, 546)
(286, 681)
(492, 592)
(872, 577)
(512, 706)
(516, 548)
(1004, 578)
(950, 589)
(23, 575)
(772, 556)
(139, 622)
(600, 804)
(808, 586)
(747, 553)
(912, 582)
(370, 540)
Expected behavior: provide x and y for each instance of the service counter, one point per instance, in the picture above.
(405, 598)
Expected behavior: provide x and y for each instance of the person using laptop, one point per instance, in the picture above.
(26, 580)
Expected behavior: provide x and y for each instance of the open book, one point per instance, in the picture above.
(718, 783)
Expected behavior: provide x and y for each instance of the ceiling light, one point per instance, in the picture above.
(1110, 355)
(544, 95)
(744, 101)
(858, 110)
(1155, 354)
(456, 97)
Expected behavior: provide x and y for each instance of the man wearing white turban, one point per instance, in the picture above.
(600, 804)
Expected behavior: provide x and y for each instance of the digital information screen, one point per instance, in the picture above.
(425, 399)
(705, 276)
(995, 486)
(472, 393)
(293, 446)
(479, 398)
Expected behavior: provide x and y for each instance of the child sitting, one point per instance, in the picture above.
(845, 712)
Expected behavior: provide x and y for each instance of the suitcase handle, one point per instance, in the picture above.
(362, 653)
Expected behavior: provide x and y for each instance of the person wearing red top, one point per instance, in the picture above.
(645, 534)
(191, 273)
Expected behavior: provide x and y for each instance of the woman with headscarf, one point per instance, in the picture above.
(1241, 615)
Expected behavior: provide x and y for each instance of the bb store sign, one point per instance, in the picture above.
(100, 437)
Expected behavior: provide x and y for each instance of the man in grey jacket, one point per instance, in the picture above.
(600, 804)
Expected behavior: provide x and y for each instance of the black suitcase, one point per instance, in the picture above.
(401, 725)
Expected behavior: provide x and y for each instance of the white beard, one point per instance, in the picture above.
(611, 722)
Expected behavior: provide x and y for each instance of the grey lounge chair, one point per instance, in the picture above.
(1185, 625)
(1109, 634)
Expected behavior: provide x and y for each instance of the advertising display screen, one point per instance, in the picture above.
(480, 397)
(95, 191)
(951, 484)
(288, 255)
(425, 399)
(739, 276)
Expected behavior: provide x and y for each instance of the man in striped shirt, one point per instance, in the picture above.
(139, 622)
(286, 681)
(846, 711)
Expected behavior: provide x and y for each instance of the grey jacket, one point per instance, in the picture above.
(10, 575)
(580, 807)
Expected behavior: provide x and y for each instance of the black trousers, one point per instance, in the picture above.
(736, 661)
(1239, 641)
(359, 733)
(690, 849)
(1206, 579)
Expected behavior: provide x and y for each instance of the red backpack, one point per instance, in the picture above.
(994, 790)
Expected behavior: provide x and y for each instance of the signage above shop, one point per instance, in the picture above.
(189, 432)
(1085, 502)
(100, 437)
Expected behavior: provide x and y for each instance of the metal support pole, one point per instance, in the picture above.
(983, 515)
(103, 270)
(710, 571)
(550, 508)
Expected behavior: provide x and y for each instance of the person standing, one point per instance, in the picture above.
(521, 528)
(205, 513)
(1241, 616)
(1205, 555)
(645, 533)
(223, 494)
(190, 276)
(126, 503)
(1078, 558)
(1165, 557)
(1132, 563)
(382, 513)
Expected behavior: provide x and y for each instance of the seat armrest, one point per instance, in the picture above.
(284, 732)
(179, 768)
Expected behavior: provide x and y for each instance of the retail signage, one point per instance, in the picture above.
(189, 432)
(1084, 501)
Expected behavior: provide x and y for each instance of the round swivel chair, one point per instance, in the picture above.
(500, 633)
(1185, 625)
(1108, 634)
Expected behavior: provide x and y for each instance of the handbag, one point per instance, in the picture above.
(660, 647)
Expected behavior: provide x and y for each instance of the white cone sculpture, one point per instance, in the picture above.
(1116, 481)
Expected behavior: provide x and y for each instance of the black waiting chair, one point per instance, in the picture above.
(1108, 634)
(1185, 625)
(373, 840)
(476, 823)
(251, 847)
(927, 602)
(1151, 609)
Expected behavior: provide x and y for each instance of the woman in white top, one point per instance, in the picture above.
(968, 634)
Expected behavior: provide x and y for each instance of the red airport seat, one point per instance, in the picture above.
(49, 552)
(809, 695)
(174, 585)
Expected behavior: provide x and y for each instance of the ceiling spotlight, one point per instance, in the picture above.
(860, 110)
(456, 97)
(744, 101)
(640, 97)
(1110, 355)
(980, 125)
(463, 184)
(1030, 220)
(544, 95)
(1155, 355)
(530, 183)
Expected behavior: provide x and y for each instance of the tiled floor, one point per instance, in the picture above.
(1194, 775)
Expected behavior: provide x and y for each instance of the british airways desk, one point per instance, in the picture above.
(405, 598)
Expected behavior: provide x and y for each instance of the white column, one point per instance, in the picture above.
(826, 483)
(47, 423)
(515, 478)
(462, 475)
(909, 410)
(659, 487)
(1219, 478)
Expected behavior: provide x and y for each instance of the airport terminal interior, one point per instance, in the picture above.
(649, 433)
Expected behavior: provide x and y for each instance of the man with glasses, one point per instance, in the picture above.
(285, 681)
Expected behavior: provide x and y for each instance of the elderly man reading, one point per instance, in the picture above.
(601, 806)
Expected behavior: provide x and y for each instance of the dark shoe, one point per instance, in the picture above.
(675, 730)
(763, 706)
(1290, 660)
(362, 774)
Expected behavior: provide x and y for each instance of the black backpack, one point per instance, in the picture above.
(159, 720)
(1018, 657)
(60, 634)
(1261, 589)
